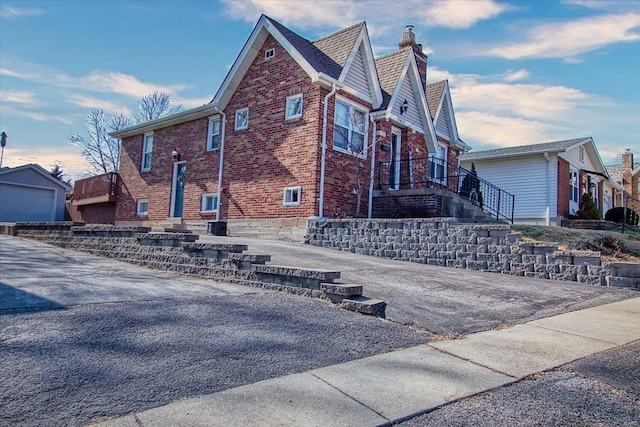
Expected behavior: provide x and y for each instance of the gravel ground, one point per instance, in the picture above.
(588, 392)
(69, 366)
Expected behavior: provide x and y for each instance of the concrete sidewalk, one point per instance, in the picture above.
(390, 387)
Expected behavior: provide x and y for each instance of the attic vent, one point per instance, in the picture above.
(270, 53)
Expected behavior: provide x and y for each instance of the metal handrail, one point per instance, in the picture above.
(431, 172)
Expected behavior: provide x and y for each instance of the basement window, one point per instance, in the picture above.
(143, 207)
(270, 53)
(292, 196)
(209, 203)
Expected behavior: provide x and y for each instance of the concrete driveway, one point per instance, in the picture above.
(441, 300)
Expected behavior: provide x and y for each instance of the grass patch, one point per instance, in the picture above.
(571, 238)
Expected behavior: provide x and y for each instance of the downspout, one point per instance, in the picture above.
(334, 89)
(548, 213)
(221, 164)
(373, 164)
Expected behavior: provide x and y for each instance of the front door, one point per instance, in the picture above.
(394, 164)
(179, 179)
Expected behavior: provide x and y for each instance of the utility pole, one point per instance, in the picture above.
(3, 142)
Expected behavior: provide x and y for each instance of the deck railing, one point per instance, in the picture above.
(99, 186)
(427, 172)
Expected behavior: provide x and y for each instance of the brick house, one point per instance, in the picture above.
(626, 175)
(546, 179)
(297, 129)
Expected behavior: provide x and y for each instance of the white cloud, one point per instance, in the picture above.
(38, 116)
(491, 130)
(16, 12)
(107, 106)
(19, 97)
(96, 81)
(570, 39)
(341, 13)
(513, 76)
(435, 74)
(461, 13)
(74, 166)
(190, 102)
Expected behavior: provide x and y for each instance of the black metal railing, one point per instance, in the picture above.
(426, 172)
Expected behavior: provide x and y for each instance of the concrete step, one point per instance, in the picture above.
(337, 292)
(623, 282)
(365, 305)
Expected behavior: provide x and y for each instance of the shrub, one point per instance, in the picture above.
(617, 215)
(588, 209)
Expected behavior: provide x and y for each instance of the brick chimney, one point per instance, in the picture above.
(409, 40)
(627, 159)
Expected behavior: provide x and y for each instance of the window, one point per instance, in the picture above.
(574, 186)
(270, 53)
(147, 148)
(292, 196)
(581, 153)
(242, 119)
(349, 130)
(209, 203)
(143, 207)
(213, 137)
(294, 107)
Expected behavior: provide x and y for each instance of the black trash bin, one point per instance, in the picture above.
(217, 228)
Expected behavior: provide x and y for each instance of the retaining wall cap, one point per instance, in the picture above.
(215, 246)
(296, 272)
(540, 244)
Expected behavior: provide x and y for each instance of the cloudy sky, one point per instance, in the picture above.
(520, 72)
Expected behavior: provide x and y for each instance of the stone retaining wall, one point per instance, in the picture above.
(486, 247)
(179, 253)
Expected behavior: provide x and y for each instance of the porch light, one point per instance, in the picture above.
(176, 155)
(404, 107)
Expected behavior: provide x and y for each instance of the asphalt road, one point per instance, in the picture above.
(445, 301)
(83, 337)
(600, 390)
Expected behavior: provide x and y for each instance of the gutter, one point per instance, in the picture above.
(221, 164)
(547, 219)
(373, 163)
(334, 89)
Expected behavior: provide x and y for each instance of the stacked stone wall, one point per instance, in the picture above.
(446, 243)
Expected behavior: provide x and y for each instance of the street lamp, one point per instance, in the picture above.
(3, 142)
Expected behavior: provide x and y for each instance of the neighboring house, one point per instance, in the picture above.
(30, 193)
(298, 129)
(626, 175)
(546, 179)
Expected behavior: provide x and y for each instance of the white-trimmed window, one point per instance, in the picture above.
(292, 196)
(350, 128)
(142, 207)
(581, 153)
(294, 107)
(209, 203)
(574, 185)
(242, 119)
(270, 53)
(147, 149)
(213, 134)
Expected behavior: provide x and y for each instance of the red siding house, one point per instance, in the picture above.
(298, 129)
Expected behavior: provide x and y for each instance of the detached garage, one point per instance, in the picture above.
(30, 193)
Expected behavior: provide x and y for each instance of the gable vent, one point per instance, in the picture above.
(270, 53)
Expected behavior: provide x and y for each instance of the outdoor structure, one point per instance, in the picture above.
(626, 175)
(298, 129)
(94, 199)
(546, 179)
(30, 193)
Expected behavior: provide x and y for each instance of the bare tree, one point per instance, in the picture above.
(103, 152)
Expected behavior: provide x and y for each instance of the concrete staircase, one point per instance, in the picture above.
(181, 253)
(455, 206)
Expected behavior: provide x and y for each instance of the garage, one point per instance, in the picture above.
(30, 193)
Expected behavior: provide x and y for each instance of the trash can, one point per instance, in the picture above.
(217, 228)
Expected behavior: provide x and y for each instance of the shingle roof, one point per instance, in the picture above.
(336, 48)
(389, 69)
(616, 171)
(434, 94)
(553, 147)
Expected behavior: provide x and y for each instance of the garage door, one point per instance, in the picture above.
(18, 203)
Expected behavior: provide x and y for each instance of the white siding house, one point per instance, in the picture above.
(30, 193)
(540, 177)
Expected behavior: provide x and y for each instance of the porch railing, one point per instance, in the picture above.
(102, 187)
(428, 172)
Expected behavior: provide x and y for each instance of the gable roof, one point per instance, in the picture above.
(38, 169)
(389, 73)
(616, 171)
(337, 47)
(434, 93)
